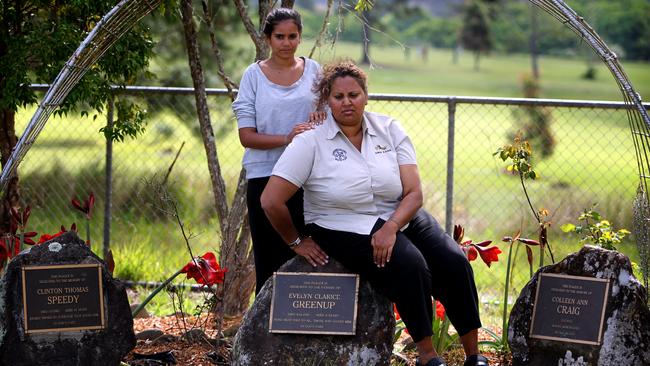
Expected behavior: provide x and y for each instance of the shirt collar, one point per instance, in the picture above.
(333, 127)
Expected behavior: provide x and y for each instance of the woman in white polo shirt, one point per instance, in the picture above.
(273, 105)
(363, 207)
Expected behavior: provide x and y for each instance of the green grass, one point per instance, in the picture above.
(594, 162)
(499, 74)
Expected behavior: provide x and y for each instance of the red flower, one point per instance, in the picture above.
(205, 270)
(87, 206)
(48, 237)
(440, 310)
(473, 250)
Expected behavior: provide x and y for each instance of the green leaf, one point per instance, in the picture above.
(567, 228)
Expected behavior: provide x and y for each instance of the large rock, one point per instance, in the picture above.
(626, 337)
(84, 347)
(372, 345)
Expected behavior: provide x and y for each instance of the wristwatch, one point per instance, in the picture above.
(295, 243)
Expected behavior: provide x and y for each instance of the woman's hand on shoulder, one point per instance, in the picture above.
(298, 129)
(317, 117)
(311, 252)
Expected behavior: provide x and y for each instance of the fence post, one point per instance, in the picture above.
(449, 195)
(108, 196)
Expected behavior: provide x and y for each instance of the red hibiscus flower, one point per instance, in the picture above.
(473, 250)
(205, 270)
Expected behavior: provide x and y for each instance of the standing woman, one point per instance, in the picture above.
(274, 104)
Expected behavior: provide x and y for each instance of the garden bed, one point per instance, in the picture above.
(206, 352)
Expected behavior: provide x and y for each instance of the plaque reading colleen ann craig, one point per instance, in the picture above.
(569, 308)
(314, 303)
(63, 298)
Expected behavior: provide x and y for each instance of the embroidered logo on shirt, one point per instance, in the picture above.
(379, 149)
(339, 154)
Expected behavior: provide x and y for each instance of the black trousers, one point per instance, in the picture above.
(269, 249)
(425, 262)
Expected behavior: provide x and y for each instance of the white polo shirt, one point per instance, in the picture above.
(347, 189)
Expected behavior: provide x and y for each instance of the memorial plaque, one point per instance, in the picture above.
(314, 303)
(569, 308)
(62, 298)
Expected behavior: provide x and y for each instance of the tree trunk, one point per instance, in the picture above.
(365, 55)
(477, 58)
(533, 41)
(8, 141)
(238, 285)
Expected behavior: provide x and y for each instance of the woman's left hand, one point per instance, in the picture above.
(317, 118)
(382, 244)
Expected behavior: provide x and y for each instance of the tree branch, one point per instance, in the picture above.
(322, 29)
(207, 18)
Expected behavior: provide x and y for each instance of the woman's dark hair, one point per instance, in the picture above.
(279, 15)
(323, 87)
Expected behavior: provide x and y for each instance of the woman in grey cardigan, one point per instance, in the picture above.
(275, 103)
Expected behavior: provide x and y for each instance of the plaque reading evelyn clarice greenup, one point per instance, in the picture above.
(61, 298)
(314, 303)
(569, 308)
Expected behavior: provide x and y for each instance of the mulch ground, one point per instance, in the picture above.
(204, 351)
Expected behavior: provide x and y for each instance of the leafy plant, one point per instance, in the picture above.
(596, 230)
(488, 255)
(87, 209)
(519, 154)
(500, 342)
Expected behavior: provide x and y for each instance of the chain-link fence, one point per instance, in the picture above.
(583, 153)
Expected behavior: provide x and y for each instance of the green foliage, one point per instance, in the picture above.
(475, 31)
(596, 230)
(37, 38)
(520, 154)
(130, 121)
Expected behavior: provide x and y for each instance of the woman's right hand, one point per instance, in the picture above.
(311, 252)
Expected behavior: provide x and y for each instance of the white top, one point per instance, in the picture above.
(347, 189)
(273, 110)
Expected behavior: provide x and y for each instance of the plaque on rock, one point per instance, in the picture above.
(314, 303)
(569, 308)
(60, 298)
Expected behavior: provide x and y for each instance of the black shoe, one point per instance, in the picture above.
(476, 360)
(436, 361)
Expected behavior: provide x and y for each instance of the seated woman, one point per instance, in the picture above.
(362, 200)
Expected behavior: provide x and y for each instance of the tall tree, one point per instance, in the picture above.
(475, 31)
(36, 39)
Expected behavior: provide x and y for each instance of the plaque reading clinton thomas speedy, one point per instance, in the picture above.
(314, 303)
(63, 298)
(569, 308)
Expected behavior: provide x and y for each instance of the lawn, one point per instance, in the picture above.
(593, 161)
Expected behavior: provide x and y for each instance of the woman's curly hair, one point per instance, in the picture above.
(323, 87)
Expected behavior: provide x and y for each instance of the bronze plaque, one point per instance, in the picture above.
(61, 298)
(314, 303)
(569, 308)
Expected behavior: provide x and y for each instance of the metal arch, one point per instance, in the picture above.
(107, 31)
(638, 116)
